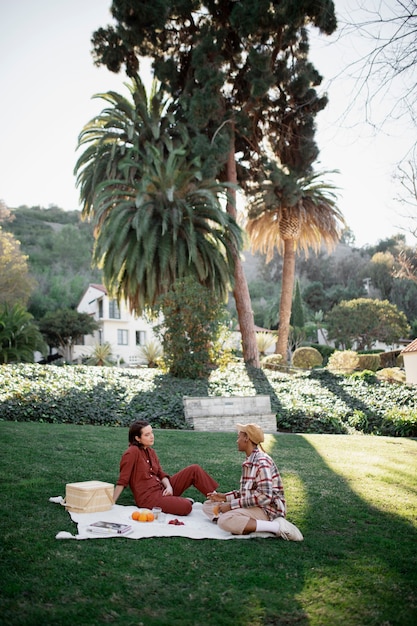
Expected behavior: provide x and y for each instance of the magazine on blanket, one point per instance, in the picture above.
(109, 528)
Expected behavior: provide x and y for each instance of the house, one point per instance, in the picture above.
(117, 326)
(409, 354)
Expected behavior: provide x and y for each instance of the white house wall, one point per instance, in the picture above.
(109, 328)
(410, 366)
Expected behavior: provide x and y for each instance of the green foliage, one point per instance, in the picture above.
(156, 217)
(19, 335)
(381, 273)
(400, 422)
(192, 325)
(366, 321)
(350, 496)
(324, 350)
(307, 358)
(315, 401)
(297, 312)
(368, 375)
(343, 361)
(62, 328)
(58, 246)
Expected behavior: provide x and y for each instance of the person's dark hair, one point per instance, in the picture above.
(136, 431)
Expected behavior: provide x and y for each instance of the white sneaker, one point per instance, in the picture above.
(288, 531)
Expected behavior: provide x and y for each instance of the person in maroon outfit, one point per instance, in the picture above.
(141, 470)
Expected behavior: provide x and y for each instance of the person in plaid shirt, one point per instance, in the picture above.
(259, 504)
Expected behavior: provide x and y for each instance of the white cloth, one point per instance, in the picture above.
(196, 525)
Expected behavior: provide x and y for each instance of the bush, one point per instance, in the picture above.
(314, 401)
(400, 422)
(325, 351)
(191, 330)
(369, 362)
(391, 374)
(368, 375)
(264, 341)
(307, 358)
(343, 362)
(389, 359)
(272, 361)
(151, 352)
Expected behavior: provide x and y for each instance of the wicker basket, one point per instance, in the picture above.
(89, 496)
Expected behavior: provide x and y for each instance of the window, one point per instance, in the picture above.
(140, 337)
(114, 311)
(100, 308)
(122, 337)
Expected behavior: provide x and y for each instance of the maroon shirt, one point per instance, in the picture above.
(141, 470)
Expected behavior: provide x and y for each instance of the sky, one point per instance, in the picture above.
(48, 78)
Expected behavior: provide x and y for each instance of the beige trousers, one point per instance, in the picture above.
(234, 521)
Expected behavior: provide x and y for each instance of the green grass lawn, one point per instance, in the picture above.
(353, 497)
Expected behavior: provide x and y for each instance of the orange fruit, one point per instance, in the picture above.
(135, 515)
(150, 517)
(142, 516)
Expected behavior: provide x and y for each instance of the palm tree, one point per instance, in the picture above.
(19, 335)
(120, 126)
(164, 226)
(291, 212)
(156, 219)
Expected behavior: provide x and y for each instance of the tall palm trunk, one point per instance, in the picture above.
(288, 275)
(241, 291)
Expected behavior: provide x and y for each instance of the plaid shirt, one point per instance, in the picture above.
(260, 485)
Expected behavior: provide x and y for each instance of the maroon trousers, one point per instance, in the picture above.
(191, 476)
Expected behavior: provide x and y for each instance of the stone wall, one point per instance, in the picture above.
(216, 413)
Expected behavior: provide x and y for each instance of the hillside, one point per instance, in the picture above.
(59, 248)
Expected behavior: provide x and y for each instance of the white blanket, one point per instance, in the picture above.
(196, 525)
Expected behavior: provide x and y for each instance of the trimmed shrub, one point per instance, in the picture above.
(388, 359)
(343, 362)
(325, 351)
(307, 358)
(369, 362)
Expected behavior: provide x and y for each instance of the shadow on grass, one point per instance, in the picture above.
(357, 565)
(360, 559)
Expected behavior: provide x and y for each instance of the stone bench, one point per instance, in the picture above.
(216, 413)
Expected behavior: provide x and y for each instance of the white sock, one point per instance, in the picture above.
(267, 527)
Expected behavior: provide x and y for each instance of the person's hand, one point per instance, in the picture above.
(168, 491)
(216, 497)
(221, 507)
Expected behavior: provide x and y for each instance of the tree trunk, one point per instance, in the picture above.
(241, 291)
(288, 275)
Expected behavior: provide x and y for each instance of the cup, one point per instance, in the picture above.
(157, 512)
